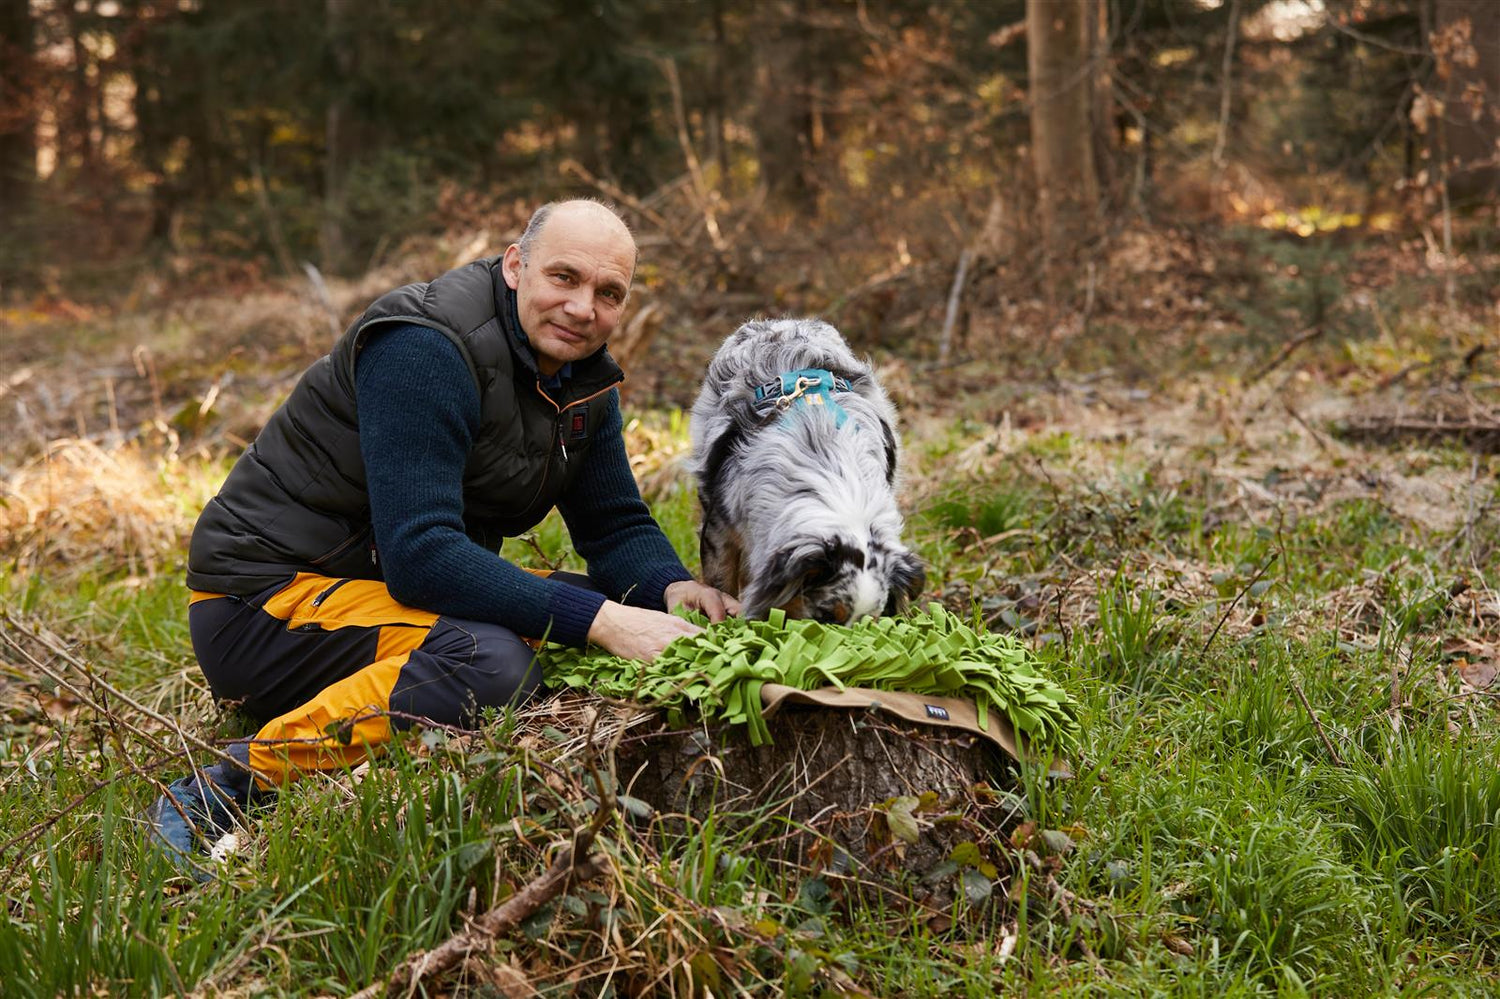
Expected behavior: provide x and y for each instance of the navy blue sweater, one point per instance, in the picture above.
(418, 413)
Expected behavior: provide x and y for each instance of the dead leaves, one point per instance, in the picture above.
(1477, 663)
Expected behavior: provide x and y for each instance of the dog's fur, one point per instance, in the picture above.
(798, 512)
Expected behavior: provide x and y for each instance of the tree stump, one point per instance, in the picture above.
(883, 802)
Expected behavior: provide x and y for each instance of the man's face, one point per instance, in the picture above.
(571, 290)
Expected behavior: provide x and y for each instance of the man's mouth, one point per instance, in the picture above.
(567, 334)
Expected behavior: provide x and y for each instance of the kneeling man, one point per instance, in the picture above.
(344, 580)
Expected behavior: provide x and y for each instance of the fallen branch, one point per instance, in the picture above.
(1306, 336)
(54, 645)
(619, 194)
(495, 923)
(508, 915)
(1327, 742)
(1236, 601)
(1480, 432)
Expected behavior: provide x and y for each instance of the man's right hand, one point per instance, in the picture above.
(635, 632)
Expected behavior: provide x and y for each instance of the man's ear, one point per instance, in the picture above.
(510, 266)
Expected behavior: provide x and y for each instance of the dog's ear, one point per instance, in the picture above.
(781, 577)
(906, 581)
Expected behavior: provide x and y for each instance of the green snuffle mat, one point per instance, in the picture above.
(720, 671)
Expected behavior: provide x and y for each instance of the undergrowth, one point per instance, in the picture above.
(1288, 782)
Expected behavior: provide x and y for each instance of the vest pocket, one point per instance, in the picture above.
(345, 546)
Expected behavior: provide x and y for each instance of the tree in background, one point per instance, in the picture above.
(17, 107)
(327, 131)
(1466, 49)
(1061, 36)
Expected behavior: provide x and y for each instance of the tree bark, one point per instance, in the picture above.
(338, 144)
(1103, 106)
(1063, 88)
(17, 110)
(1466, 45)
(820, 795)
(783, 116)
(81, 100)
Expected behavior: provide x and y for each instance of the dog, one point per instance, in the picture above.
(797, 459)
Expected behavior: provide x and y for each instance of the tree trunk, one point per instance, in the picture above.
(1103, 109)
(17, 110)
(1466, 44)
(783, 116)
(821, 795)
(1063, 92)
(718, 104)
(81, 101)
(338, 145)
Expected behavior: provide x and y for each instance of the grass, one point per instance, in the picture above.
(1228, 838)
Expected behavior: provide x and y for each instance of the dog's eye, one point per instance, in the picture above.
(820, 575)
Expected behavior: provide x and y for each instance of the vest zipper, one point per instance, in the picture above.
(342, 547)
(557, 434)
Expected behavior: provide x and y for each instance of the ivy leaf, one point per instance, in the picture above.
(977, 887)
(901, 820)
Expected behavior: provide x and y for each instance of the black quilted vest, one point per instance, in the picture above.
(296, 499)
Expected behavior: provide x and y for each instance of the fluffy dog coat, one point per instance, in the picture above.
(799, 503)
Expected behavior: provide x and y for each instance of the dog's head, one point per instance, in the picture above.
(836, 580)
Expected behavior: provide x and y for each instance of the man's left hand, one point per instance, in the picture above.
(697, 596)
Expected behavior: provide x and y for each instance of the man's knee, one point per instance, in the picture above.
(462, 668)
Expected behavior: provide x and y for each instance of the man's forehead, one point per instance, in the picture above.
(586, 245)
(587, 225)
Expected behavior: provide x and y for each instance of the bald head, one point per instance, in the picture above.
(584, 213)
(571, 272)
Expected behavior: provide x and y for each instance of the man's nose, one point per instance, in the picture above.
(580, 305)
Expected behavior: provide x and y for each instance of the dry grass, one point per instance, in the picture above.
(80, 504)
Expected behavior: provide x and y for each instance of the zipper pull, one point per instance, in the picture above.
(374, 555)
(564, 449)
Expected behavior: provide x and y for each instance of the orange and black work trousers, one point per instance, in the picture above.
(331, 667)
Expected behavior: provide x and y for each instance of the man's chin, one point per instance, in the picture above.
(556, 353)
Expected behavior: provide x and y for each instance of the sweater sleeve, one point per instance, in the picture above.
(418, 412)
(611, 527)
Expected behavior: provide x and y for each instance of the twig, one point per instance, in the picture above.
(616, 193)
(494, 923)
(509, 914)
(52, 645)
(1305, 336)
(1226, 85)
(955, 294)
(320, 290)
(1327, 742)
(26, 836)
(1235, 602)
(1316, 437)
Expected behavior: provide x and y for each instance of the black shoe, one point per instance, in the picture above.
(201, 807)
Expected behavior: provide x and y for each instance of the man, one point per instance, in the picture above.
(344, 578)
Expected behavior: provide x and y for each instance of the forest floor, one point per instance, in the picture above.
(1242, 500)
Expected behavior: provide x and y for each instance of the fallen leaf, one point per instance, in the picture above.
(1177, 945)
(1478, 675)
(903, 824)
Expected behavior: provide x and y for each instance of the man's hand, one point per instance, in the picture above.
(636, 633)
(694, 595)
